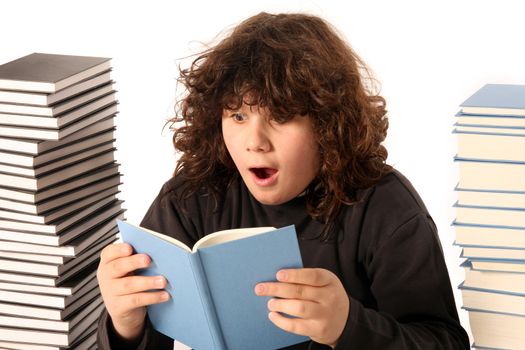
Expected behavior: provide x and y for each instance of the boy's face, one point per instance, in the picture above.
(276, 161)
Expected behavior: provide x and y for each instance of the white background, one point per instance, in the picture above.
(429, 56)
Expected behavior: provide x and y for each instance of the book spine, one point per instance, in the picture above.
(207, 301)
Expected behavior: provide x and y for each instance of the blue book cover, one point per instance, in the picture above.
(213, 304)
(498, 96)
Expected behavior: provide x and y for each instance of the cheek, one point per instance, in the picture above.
(230, 145)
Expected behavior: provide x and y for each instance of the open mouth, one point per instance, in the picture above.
(263, 173)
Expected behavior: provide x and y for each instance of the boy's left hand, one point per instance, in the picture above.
(316, 297)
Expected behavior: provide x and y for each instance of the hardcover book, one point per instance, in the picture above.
(491, 146)
(500, 199)
(497, 175)
(496, 99)
(40, 72)
(47, 99)
(490, 121)
(213, 304)
(36, 147)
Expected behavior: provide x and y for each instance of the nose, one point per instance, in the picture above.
(257, 139)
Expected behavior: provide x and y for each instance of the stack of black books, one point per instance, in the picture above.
(490, 214)
(58, 197)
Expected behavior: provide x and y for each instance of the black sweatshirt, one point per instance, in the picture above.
(386, 253)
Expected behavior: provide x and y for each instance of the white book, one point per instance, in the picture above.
(493, 301)
(32, 257)
(490, 121)
(101, 217)
(7, 345)
(492, 280)
(70, 249)
(59, 163)
(485, 146)
(59, 212)
(491, 236)
(48, 313)
(19, 114)
(49, 73)
(36, 147)
(91, 312)
(47, 99)
(54, 134)
(57, 226)
(58, 245)
(495, 176)
(493, 253)
(490, 198)
(66, 198)
(496, 99)
(483, 129)
(48, 337)
(32, 197)
(58, 175)
(496, 330)
(513, 217)
(498, 265)
(47, 269)
(65, 289)
(54, 301)
(30, 160)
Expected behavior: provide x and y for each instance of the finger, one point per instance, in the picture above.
(122, 266)
(136, 300)
(313, 277)
(292, 325)
(135, 284)
(297, 308)
(289, 291)
(114, 251)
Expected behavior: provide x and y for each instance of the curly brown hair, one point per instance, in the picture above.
(293, 65)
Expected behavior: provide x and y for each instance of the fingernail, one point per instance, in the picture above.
(124, 249)
(282, 275)
(164, 296)
(259, 289)
(159, 282)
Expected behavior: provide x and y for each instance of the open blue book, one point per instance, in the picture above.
(213, 304)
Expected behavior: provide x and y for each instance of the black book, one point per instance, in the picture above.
(10, 112)
(16, 131)
(105, 231)
(58, 162)
(34, 161)
(60, 188)
(67, 198)
(58, 175)
(60, 212)
(43, 99)
(93, 309)
(39, 72)
(35, 146)
(68, 288)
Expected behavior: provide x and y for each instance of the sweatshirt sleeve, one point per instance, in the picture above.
(415, 305)
(163, 216)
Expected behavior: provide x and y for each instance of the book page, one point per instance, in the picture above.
(229, 235)
(166, 238)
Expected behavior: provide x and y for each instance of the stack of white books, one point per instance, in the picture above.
(58, 198)
(490, 214)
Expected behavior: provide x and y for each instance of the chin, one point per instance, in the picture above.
(269, 200)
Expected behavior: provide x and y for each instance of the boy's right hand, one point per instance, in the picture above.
(126, 295)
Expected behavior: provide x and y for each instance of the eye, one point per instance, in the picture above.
(238, 117)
